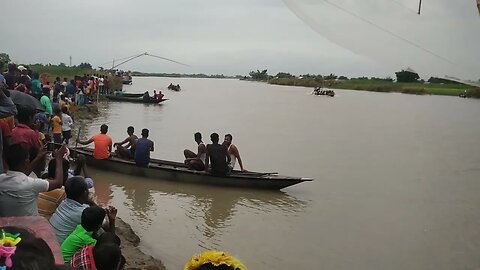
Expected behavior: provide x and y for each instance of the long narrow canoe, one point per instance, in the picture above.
(132, 95)
(178, 172)
(134, 99)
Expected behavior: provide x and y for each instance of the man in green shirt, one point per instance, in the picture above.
(45, 100)
(92, 218)
(36, 86)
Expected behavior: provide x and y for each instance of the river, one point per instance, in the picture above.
(397, 177)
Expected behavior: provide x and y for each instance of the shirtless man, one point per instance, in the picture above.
(196, 161)
(127, 151)
(233, 152)
(218, 156)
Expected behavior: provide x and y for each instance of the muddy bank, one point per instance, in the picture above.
(136, 259)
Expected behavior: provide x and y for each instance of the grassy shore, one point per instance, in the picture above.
(381, 86)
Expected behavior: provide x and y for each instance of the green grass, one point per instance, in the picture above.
(379, 86)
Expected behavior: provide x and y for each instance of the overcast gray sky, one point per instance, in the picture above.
(234, 37)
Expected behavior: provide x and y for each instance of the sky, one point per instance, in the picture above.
(345, 37)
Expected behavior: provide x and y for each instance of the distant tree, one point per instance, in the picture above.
(407, 76)
(343, 78)
(284, 75)
(85, 65)
(5, 58)
(259, 75)
(62, 65)
(331, 77)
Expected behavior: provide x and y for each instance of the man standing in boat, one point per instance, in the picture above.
(218, 155)
(233, 152)
(196, 161)
(102, 142)
(143, 149)
(127, 151)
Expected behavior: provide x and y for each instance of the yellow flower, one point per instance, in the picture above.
(216, 258)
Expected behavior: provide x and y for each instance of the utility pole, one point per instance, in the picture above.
(419, 7)
(70, 60)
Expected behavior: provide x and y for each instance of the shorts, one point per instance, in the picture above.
(57, 137)
(67, 134)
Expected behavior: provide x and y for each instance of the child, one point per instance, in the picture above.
(92, 218)
(57, 126)
(67, 123)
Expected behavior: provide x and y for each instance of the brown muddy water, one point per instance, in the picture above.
(397, 177)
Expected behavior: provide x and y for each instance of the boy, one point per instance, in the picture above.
(57, 126)
(92, 218)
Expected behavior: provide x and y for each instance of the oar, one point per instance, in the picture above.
(257, 173)
(76, 142)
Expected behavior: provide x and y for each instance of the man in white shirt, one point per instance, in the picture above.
(19, 192)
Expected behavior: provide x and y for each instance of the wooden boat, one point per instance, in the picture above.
(132, 95)
(178, 172)
(135, 99)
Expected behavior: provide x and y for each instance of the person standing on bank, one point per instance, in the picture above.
(143, 148)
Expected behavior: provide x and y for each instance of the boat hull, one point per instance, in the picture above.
(177, 172)
(135, 99)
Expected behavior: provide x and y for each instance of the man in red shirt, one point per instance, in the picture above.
(24, 133)
(103, 143)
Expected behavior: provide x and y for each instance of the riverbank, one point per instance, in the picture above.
(135, 258)
(419, 88)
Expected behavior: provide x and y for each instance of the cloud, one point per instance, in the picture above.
(213, 36)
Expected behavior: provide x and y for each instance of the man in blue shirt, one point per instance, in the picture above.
(71, 89)
(143, 149)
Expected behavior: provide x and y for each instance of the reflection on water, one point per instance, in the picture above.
(216, 206)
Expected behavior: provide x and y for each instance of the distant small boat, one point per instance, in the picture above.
(174, 87)
(135, 99)
(321, 92)
(127, 79)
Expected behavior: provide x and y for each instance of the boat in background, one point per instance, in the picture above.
(135, 99)
(179, 172)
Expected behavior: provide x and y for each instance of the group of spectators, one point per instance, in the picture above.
(36, 180)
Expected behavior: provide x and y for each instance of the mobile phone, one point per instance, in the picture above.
(50, 147)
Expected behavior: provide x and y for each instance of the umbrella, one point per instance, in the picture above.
(25, 100)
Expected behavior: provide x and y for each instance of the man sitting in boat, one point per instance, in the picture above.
(146, 96)
(143, 149)
(233, 152)
(218, 155)
(127, 151)
(196, 161)
(102, 142)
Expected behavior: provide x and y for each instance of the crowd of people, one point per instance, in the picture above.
(40, 177)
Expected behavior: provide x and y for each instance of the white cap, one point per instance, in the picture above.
(21, 68)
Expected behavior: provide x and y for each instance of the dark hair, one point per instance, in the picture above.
(92, 218)
(130, 129)
(197, 136)
(65, 110)
(25, 114)
(52, 167)
(75, 187)
(230, 136)
(108, 238)
(107, 257)
(16, 155)
(145, 132)
(35, 75)
(32, 253)
(72, 81)
(104, 129)
(57, 79)
(214, 137)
